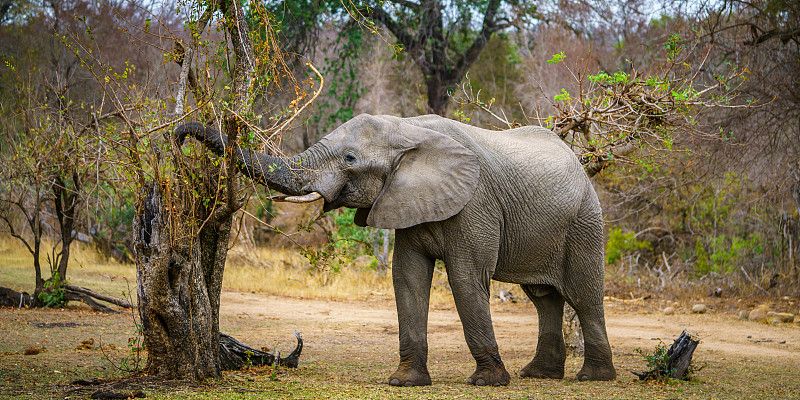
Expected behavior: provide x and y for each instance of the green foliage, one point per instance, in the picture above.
(341, 73)
(53, 294)
(674, 46)
(722, 253)
(557, 58)
(349, 237)
(604, 78)
(564, 96)
(657, 361)
(721, 250)
(620, 243)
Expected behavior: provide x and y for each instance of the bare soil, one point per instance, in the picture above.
(351, 349)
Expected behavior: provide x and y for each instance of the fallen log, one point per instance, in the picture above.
(12, 298)
(678, 359)
(109, 299)
(70, 295)
(234, 355)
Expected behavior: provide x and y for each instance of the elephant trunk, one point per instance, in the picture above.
(289, 175)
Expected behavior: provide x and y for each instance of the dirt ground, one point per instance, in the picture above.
(351, 349)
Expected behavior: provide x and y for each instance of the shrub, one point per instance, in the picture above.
(620, 243)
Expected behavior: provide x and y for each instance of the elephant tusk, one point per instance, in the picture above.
(306, 198)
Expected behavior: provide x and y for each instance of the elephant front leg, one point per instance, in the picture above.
(412, 273)
(471, 296)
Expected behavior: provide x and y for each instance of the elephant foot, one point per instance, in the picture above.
(490, 377)
(597, 373)
(407, 376)
(542, 370)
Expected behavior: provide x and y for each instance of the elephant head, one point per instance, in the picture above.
(396, 174)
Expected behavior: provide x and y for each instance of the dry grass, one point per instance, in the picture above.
(282, 272)
(86, 268)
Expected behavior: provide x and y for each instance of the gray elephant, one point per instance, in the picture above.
(513, 206)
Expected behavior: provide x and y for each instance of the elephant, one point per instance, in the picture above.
(514, 206)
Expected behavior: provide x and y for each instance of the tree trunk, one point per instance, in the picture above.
(437, 95)
(66, 202)
(179, 281)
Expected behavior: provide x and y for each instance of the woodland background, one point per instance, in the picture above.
(707, 203)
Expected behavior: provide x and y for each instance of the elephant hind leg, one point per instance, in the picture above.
(583, 290)
(550, 350)
(597, 364)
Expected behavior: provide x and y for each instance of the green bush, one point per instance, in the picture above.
(723, 254)
(53, 294)
(348, 236)
(620, 243)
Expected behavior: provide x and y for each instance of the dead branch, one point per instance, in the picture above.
(109, 299)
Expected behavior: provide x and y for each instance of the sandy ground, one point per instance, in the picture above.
(351, 349)
(350, 328)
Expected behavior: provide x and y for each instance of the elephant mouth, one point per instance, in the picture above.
(338, 200)
(332, 205)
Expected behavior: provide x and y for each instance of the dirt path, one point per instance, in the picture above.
(351, 349)
(724, 338)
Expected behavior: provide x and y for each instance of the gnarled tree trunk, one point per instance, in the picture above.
(180, 277)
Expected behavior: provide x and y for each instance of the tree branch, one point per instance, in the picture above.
(489, 27)
(384, 18)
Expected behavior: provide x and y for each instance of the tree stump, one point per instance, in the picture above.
(573, 334)
(678, 359)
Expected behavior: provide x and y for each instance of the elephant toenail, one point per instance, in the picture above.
(480, 382)
(585, 378)
(408, 383)
(395, 382)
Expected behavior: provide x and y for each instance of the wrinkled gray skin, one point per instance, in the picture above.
(514, 206)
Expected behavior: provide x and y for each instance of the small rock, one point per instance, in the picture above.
(699, 308)
(782, 317)
(770, 314)
(757, 315)
(744, 315)
(669, 311)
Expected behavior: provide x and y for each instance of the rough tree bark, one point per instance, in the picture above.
(175, 284)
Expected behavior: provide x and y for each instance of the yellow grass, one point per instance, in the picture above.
(86, 268)
(281, 272)
(285, 272)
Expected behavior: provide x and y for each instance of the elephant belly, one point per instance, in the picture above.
(531, 259)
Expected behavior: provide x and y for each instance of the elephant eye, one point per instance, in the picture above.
(349, 158)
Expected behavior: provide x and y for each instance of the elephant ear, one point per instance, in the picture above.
(432, 178)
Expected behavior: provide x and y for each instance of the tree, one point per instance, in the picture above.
(443, 38)
(50, 162)
(186, 201)
(442, 48)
